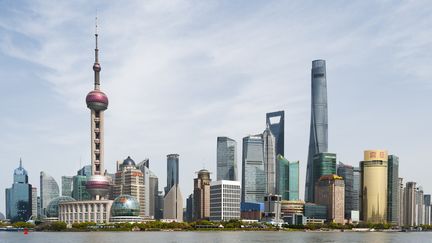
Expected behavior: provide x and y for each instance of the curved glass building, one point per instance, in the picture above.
(49, 190)
(318, 140)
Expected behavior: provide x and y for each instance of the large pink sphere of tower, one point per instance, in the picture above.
(97, 100)
(98, 185)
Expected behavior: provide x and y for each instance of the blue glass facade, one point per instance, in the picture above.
(253, 173)
(172, 171)
(276, 122)
(318, 140)
(226, 159)
(287, 179)
(19, 197)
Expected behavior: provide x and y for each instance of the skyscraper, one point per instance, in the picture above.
(318, 141)
(253, 171)
(226, 159)
(356, 189)
(97, 101)
(79, 191)
(172, 171)
(201, 195)
(49, 190)
(130, 181)
(373, 197)
(419, 206)
(173, 200)
(35, 213)
(276, 122)
(287, 179)
(427, 209)
(410, 214)
(269, 149)
(401, 202)
(323, 164)
(67, 183)
(347, 173)
(19, 196)
(330, 191)
(393, 190)
(151, 185)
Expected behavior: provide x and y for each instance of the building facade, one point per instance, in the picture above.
(201, 196)
(393, 190)
(410, 212)
(323, 164)
(67, 185)
(226, 159)
(97, 211)
(269, 149)
(427, 209)
(19, 196)
(49, 190)
(129, 180)
(225, 200)
(330, 191)
(172, 171)
(373, 197)
(401, 202)
(276, 122)
(34, 200)
(318, 140)
(173, 204)
(347, 173)
(356, 189)
(419, 206)
(287, 178)
(253, 170)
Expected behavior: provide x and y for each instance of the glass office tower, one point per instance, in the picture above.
(276, 122)
(323, 164)
(49, 190)
(393, 190)
(287, 179)
(67, 183)
(19, 197)
(318, 140)
(226, 159)
(253, 172)
(347, 173)
(356, 189)
(172, 171)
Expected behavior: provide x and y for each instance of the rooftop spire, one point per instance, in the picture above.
(20, 162)
(96, 66)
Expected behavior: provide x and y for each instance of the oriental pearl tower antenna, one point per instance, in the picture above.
(97, 102)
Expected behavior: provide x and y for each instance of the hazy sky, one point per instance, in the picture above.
(180, 73)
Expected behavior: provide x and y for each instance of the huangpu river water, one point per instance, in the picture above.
(213, 237)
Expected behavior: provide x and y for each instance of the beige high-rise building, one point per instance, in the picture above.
(129, 180)
(373, 185)
(330, 191)
(201, 195)
(173, 204)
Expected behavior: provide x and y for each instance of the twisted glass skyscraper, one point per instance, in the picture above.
(318, 141)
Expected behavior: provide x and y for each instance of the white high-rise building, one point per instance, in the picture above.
(224, 200)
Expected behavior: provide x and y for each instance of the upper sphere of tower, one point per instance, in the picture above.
(97, 100)
(97, 67)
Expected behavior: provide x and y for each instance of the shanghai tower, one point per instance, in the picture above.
(318, 140)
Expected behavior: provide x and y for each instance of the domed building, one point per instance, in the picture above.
(125, 208)
(52, 210)
(129, 180)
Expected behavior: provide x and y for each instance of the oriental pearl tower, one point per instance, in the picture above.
(97, 102)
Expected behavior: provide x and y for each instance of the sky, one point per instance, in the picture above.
(180, 73)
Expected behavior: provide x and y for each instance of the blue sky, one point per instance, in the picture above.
(180, 73)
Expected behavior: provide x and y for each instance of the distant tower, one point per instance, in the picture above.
(318, 140)
(201, 196)
(97, 102)
(276, 122)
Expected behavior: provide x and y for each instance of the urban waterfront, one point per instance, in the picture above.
(180, 237)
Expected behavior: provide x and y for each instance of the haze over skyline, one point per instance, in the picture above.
(181, 73)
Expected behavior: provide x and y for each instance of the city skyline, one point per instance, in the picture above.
(53, 91)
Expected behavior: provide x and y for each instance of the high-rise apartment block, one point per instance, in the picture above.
(318, 140)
